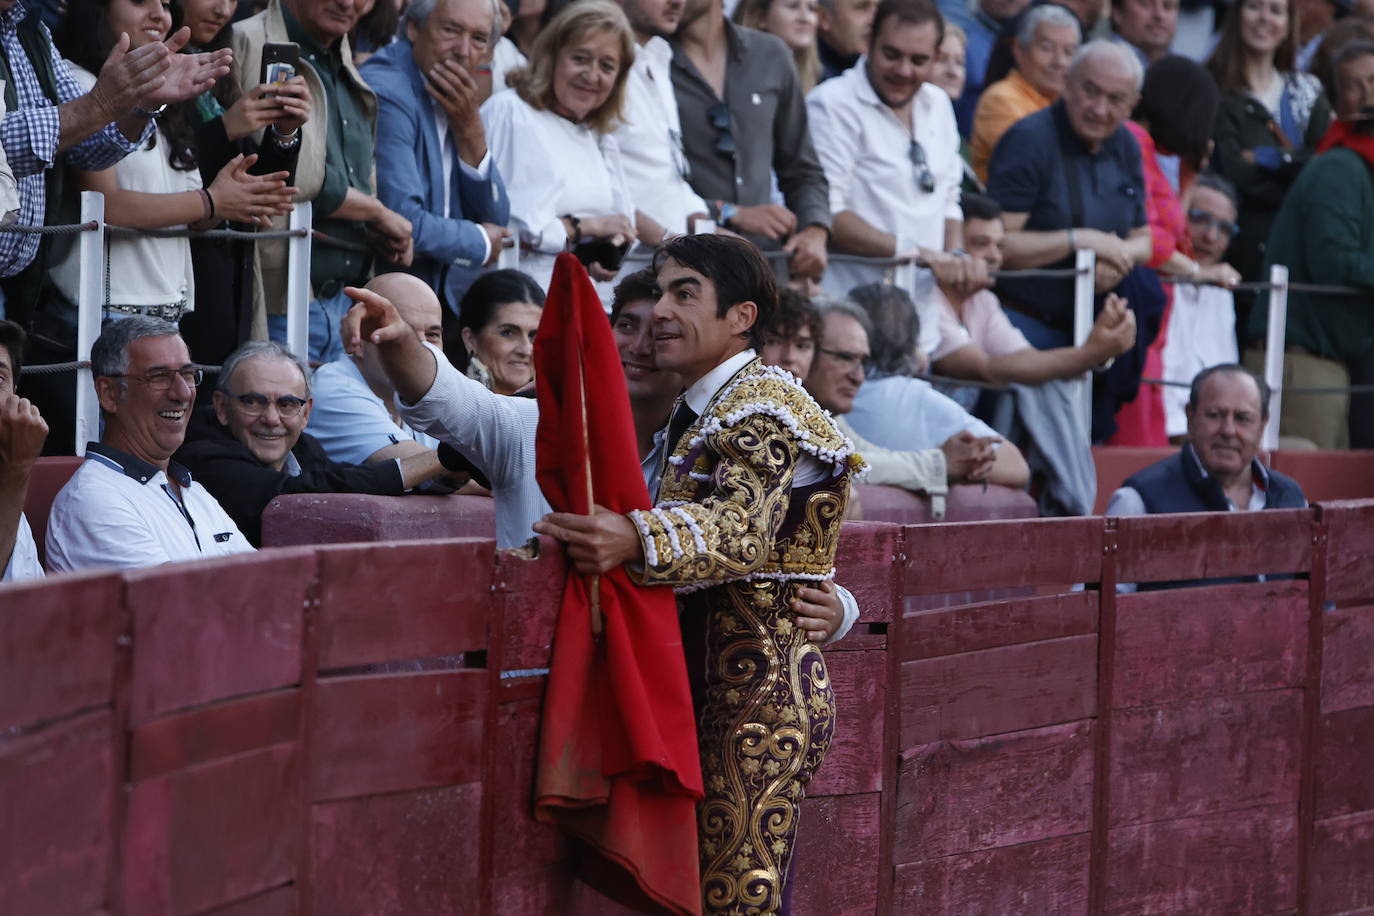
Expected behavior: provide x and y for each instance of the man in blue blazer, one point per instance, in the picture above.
(432, 161)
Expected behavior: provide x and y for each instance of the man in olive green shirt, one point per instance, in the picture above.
(346, 207)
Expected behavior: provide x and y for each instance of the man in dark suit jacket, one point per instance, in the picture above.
(433, 166)
(252, 448)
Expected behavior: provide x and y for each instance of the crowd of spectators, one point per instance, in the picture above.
(440, 142)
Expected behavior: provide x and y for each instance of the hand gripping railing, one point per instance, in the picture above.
(93, 232)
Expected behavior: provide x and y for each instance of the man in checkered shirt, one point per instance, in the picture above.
(48, 115)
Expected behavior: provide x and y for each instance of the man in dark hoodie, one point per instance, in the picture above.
(253, 448)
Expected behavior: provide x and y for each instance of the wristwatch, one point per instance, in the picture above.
(143, 112)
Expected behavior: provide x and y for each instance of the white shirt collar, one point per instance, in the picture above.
(698, 397)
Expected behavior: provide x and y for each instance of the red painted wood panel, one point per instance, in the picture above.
(397, 855)
(1347, 648)
(1205, 756)
(1343, 865)
(1191, 643)
(531, 590)
(531, 867)
(949, 631)
(57, 790)
(179, 741)
(337, 518)
(958, 796)
(57, 646)
(385, 733)
(835, 857)
(963, 503)
(1049, 877)
(1053, 551)
(279, 901)
(442, 610)
(1350, 550)
(1345, 762)
(999, 690)
(854, 762)
(1329, 474)
(1237, 862)
(209, 630)
(1208, 545)
(212, 834)
(866, 564)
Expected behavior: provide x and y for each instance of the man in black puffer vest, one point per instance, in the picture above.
(1217, 469)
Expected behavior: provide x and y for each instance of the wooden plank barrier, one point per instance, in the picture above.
(350, 729)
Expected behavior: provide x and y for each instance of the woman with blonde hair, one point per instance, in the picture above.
(550, 136)
(794, 21)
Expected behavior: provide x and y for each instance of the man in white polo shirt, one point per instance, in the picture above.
(889, 144)
(129, 504)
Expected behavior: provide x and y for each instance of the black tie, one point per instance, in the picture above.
(683, 417)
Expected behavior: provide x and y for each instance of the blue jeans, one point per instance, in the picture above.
(325, 314)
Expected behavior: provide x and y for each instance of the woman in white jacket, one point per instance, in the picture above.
(550, 138)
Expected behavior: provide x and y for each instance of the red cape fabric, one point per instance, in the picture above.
(618, 764)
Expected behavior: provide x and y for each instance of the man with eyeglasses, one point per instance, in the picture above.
(251, 446)
(744, 122)
(890, 147)
(1202, 322)
(129, 504)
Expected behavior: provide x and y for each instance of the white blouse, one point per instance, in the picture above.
(141, 270)
(552, 167)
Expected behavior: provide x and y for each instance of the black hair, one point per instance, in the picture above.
(1216, 182)
(795, 312)
(635, 287)
(734, 266)
(15, 340)
(479, 304)
(980, 206)
(910, 12)
(1179, 102)
(1195, 391)
(85, 39)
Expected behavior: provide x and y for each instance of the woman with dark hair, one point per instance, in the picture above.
(1270, 121)
(1172, 124)
(158, 186)
(224, 121)
(494, 339)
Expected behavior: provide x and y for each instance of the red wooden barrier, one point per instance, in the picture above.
(350, 729)
(49, 475)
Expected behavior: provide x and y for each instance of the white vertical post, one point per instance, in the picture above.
(1275, 341)
(1085, 265)
(509, 258)
(90, 306)
(298, 282)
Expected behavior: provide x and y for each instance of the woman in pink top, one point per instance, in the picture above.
(1173, 125)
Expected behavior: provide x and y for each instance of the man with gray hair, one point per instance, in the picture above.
(433, 166)
(1046, 42)
(1069, 177)
(129, 504)
(250, 446)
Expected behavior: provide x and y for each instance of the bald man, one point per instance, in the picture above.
(355, 416)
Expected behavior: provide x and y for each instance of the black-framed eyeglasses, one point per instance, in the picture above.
(719, 116)
(845, 358)
(925, 178)
(1204, 220)
(161, 379)
(255, 405)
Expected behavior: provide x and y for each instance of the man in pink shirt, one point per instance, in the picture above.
(979, 343)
